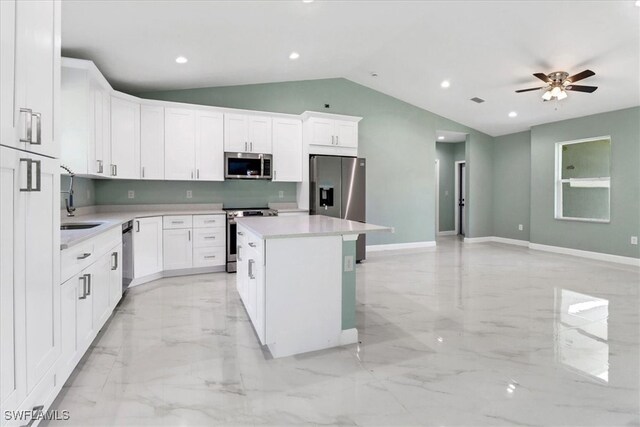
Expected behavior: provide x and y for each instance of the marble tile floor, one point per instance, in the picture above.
(458, 335)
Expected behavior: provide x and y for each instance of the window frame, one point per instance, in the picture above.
(559, 181)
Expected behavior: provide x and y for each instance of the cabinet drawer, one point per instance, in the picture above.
(209, 221)
(208, 237)
(208, 257)
(256, 245)
(177, 221)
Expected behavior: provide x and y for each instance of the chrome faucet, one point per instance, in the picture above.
(68, 202)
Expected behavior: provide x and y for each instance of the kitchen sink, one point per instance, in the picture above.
(79, 225)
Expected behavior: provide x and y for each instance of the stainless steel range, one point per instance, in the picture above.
(232, 214)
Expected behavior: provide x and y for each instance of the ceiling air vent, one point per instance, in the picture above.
(477, 100)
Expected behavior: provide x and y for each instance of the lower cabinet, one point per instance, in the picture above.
(178, 249)
(147, 246)
(250, 279)
(190, 241)
(87, 301)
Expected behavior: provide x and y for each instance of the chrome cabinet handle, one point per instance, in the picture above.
(197, 173)
(209, 237)
(275, 173)
(29, 135)
(240, 233)
(238, 251)
(142, 171)
(245, 146)
(114, 170)
(38, 141)
(251, 262)
(84, 255)
(100, 166)
(177, 222)
(84, 287)
(29, 174)
(137, 226)
(209, 256)
(337, 139)
(333, 140)
(253, 245)
(38, 180)
(209, 221)
(114, 256)
(38, 186)
(88, 276)
(251, 146)
(189, 234)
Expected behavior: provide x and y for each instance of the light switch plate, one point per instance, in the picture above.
(348, 263)
(131, 194)
(634, 240)
(189, 194)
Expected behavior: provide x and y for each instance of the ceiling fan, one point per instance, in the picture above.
(559, 82)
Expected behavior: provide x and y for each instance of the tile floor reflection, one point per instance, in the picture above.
(467, 335)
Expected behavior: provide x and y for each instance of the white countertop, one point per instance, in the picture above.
(306, 226)
(109, 220)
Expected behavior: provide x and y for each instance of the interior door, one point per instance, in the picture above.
(180, 144)
(462, 199)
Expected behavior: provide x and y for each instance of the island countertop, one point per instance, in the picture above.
(306, 226)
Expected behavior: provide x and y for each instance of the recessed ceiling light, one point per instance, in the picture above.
(513, 114)
(445, 84)
(181, 60)
(441, 138)
(294, 55)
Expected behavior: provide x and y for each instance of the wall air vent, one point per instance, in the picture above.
(477, 100)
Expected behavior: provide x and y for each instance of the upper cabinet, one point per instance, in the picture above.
(151, 142)
(247, 133)
(209, 150)
(30, 70)
(86, 111)
(333, 132)
(125, 137)
(287, 150)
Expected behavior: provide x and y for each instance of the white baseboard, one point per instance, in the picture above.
(447, 233)
(516, 242)
(394, 246)
(586, 254)
(478, 239)
(176, 273)
(349, 336)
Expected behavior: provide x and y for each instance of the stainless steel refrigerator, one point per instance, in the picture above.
(337, 189)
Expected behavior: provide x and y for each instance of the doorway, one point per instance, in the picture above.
(437, 197)
(460, 197)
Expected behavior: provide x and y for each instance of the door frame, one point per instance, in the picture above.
(437, 197)
(456, 208)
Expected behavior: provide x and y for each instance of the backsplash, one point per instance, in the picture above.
(237, 193)
(84, 191)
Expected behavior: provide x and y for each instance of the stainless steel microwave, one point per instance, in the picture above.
(247, 166)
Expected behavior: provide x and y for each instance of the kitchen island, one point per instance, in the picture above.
(296, 278)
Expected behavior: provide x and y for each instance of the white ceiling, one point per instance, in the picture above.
(485, 48)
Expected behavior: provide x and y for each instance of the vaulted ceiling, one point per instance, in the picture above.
(485, 49)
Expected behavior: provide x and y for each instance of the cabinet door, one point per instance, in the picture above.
(115, 276)
(11, 272)
(321, 131)
(98, 283)
(42, 268)
(260, 134)
(242, 278)
(236, 135)
(209, 154)
(178, 249)
(252, 284)
(287, 150)
(84, 313)
(100, 152)
(69, 300)
(180, 142)
(7, 76)
(125, 138)
(346, 134)
(37, 74)
(151, 142)
(147, 246)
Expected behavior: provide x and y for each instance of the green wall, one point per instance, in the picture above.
(613, 238)
(448, 153)
(84, 191)
(398, 140)
(237, 194)
(512, 185)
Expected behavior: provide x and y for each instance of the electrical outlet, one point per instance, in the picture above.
(446, 192)
(634, 240)
(348, 263)
(281, 194)
(520, 227)
(88, 194)
(189, 194)
(131, 194)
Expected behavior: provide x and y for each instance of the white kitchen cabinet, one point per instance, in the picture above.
(151, 142)
(247, 133)
(71, 300)
(85, 119)
(333, 132)
(250, 278)
(209, 146)
(177, 248)
(287, 150)
(31, 72)
(125, 137)
(30, 272)
(99, 287)
(115, 276)
(180, 143)
(147, 246)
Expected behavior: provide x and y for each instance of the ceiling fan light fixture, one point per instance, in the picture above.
(547, 95)
(556, 91)
(561, 95)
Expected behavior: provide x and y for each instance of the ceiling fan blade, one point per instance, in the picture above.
(580, 76)
(579, 88)
(528, 90)
(543, 77)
